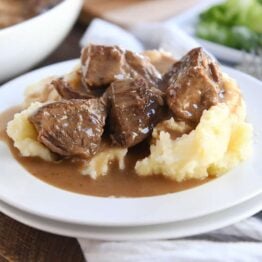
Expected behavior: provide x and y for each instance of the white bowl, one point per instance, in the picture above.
(27, 43)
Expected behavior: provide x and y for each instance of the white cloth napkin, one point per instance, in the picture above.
(239, 242)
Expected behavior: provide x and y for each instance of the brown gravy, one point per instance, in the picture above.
(118, 183)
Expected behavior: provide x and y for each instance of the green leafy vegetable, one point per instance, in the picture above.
(235, 23)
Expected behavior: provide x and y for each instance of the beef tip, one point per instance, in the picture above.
(140, 66)
(70, 86)
(101, 65)
(68, 91)
(134, 110)
(71, 128)
(193, 85)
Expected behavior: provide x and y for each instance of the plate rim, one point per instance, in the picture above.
(153, 232)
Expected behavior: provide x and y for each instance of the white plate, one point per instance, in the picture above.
(188, 20)
(22, 190)
(166, 231)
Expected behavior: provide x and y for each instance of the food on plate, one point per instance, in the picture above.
(25, 136)
(219, 142)
(101, 65)
(41, 91)
(233, 23)
(193, 85)
(134, 110)
(16, 11)
(99, 165)
(115, 115)
(161, 59)
(70, 86)
(71, 128)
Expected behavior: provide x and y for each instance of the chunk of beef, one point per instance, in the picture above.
(70, 86)
(71, 128)
(134, 110)
(193, 85)
(140, 66)
(101, 65)
(68, 91)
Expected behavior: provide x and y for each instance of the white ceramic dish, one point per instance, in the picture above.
(187, 21)
(166, 231)
(23, 191)
(27, 43)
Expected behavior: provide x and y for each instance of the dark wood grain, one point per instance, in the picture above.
(22, 243)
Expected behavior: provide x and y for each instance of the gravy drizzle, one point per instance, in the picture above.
(119, 183)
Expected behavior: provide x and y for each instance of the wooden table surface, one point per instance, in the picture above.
(22, 243)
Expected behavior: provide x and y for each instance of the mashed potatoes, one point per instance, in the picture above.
(41, 91)
(162, 60)
(24, 135)
(220, 141)
(99, 164)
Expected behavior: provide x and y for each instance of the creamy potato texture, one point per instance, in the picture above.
(24, 134)
(220, 141)
(41, 91)
(99, 164)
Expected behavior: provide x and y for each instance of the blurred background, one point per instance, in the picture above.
(231, 30)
